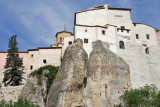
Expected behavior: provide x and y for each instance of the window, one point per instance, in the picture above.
(31, 67)
(44, 61)
(137, 36)
(85, 40)
(121, 30)
(122, 27)
(127, 31)
(32, 55)
(60, 39)
(147, 36)
(70, 42)
(85, 30)
(147, 51)
(121, 45)
(21, 59)
(103, 32)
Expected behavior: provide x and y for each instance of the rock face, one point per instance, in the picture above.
(36, 94)
(108, 77)
(97, 82)
(68, 88)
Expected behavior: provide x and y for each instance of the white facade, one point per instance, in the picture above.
(44, 56)
(138, 44)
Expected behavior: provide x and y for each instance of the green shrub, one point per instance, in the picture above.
(147, 96)
(19, 103)
(50, 75)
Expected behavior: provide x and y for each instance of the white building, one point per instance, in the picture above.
(112, 25)
(138, 44)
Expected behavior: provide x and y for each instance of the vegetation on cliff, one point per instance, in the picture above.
(14, 66)
(19, 103)
(147, 96)
(50, 75)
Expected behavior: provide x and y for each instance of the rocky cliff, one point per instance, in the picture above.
(94, 82)
(68, 88)
(34, 92)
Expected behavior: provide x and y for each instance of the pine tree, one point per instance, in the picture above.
(13, 75)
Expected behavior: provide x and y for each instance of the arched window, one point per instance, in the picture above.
(60, 39)
(147, 51)
(121, 45)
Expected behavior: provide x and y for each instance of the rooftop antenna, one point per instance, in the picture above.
(65, 27)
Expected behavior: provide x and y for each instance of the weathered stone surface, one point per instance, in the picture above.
(144, 68)
(33, 92)
(97, 83)
(68, 87)
(108, 77)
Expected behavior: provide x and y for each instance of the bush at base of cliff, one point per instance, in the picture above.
(147, 96)
(50, 75)
(19, 103)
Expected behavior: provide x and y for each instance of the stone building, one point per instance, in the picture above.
(137, 43)
(41, 56)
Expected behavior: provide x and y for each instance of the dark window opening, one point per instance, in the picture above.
(122, 27)
(134, 24)
(121, 30)
(144, 45)
(103, 32)
(147, 51)
(31, 67)
(85, 30)
(147, 36)
(85, 40)
(31, 55)
(121, 45)
(85, 81)
(21, 59)
(70, 42)
(127, 31)
(137, 36)
(60, 39)
(44, 61)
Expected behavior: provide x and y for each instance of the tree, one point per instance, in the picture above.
(147, 96)
(13, 75)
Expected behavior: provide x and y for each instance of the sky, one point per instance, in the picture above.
(36, 22)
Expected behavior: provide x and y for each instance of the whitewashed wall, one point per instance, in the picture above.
(142, 30)
(66, 43)
(125, 20)
(93, 17)
(52, 56)
(95, 33)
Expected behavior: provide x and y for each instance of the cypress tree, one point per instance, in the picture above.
(13, 75)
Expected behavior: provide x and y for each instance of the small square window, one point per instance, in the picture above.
(31, 67)
(127, 31)
(70, 42)
(147, 36)
(21, 59)
(137, 36)
(121, 30)
(85, 40)
(44, 61)
(32, 55)
(103, 32)
(85, 30)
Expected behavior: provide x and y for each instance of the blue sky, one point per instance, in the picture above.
(37, 21)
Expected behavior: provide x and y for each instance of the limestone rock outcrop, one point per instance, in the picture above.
(34, 92)
(68, 87)
(97, 82)
(108, 77)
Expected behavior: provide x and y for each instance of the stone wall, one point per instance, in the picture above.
(10, 93)
(144, 68)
